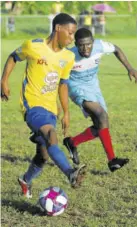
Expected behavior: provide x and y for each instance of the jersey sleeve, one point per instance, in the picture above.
(66, 72)
(22, 52)
(107, 47)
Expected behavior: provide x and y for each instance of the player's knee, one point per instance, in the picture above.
(99, 113)
(45, 156)
(40, 160)
(103, 119)
(94, 130)
(49, 135)
(52, 137)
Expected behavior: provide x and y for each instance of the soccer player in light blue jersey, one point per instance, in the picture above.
(84, 91)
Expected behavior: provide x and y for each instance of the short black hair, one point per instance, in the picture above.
(83, 33)
(61, 19)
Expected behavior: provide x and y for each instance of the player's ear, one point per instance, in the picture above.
(57, 27)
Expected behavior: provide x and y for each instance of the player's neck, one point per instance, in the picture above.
(53, 44)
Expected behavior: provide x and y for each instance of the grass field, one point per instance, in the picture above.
(105, 199)
(116, 26)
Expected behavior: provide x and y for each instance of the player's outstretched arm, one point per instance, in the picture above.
(122, 58)
(9, 66)
(63, 96)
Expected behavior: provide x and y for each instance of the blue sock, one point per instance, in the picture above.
(60, 159)
(33, 172)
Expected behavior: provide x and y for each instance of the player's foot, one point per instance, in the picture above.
(76, 177)
(117, 163)
(72, 150)
(26, 188)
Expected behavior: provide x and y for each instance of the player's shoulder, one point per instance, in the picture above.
(28, 42)
(105, 46)
(31, 43)
(38, 40)
(98, 45)
(97, 42)
(73, 49)
(100, 42)
(69, 53)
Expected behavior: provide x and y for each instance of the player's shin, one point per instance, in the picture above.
(60, 159)
(105, 138)
(37, 165)
(32, 172)
(89, 134)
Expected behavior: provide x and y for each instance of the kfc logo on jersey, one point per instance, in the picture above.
(42, 61)
(77, 67)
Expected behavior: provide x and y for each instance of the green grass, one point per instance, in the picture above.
(105, 199)
(116, 26)
(37, 27)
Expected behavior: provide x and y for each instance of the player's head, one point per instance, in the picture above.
(64, 26)
(84, 42)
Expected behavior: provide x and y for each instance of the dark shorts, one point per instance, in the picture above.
(37, 117)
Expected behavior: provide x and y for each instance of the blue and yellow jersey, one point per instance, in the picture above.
(45, 69)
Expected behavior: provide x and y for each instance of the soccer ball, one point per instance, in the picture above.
(53, 201)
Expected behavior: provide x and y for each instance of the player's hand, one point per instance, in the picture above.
(132, 73)
(5, 91)
(65, 124)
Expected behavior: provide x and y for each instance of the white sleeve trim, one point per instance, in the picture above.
(107, 47)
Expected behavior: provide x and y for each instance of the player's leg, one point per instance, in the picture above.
(101, 128)
(49, 135)
(33, 120)
(43, 122)
(88, 134)
(58, 156)
(34, 170)
(101, 122)
(71, 143)
(37, 139)
(37, 164)
(78, 95)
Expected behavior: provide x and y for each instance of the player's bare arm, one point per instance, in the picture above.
(63, 95)
(122, 58)
(9, 66)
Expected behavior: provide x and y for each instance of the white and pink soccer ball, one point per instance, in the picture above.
(53, 201)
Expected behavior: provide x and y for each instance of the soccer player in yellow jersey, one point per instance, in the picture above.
(47, 71)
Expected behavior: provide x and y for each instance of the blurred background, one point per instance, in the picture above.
(28, 19)
(105, 200)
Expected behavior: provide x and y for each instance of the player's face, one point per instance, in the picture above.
(66, 34)
(84, 46)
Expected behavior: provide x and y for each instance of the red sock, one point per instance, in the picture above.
(105, 138)
(83, 137)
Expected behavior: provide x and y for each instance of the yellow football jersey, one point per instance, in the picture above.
(44, 70)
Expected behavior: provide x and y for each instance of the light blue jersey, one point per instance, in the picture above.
(83, 82)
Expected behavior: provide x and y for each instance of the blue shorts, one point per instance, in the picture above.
(36, 117)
